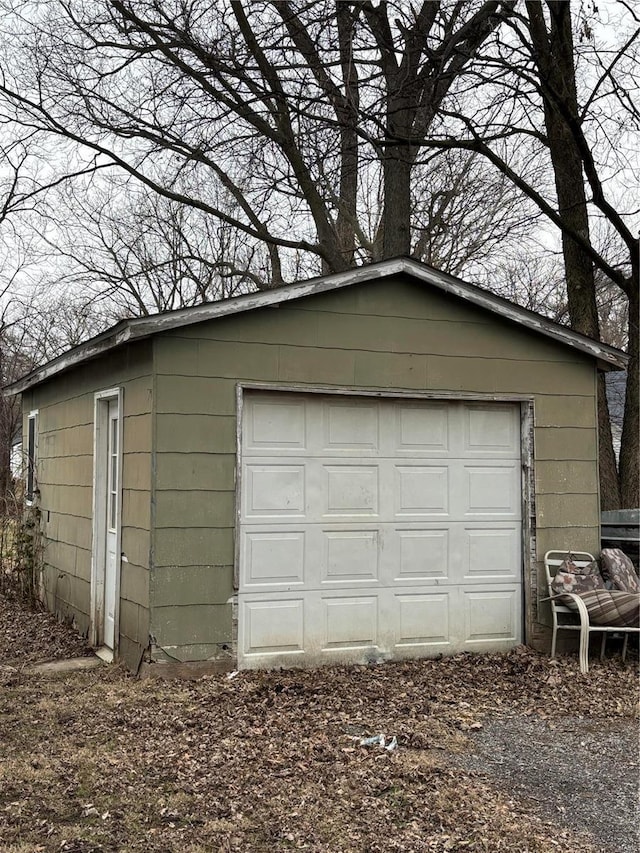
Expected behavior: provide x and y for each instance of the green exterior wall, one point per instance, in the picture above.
(180, 436)
(387, 335)
(65, 406)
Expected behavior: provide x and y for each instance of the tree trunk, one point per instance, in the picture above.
(629, 449)
(397, 203)
(609, 482)
(8, 423)
(347, 113)
(554, 54)
(5, 436)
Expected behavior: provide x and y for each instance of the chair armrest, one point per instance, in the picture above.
(557, 596)
(581, 608)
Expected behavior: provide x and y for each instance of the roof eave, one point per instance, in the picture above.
(120, 334)
(608, 358)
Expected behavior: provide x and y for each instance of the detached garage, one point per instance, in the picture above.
(361, 467)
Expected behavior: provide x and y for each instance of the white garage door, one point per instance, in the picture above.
(377, 528)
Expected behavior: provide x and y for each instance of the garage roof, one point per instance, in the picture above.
(126, 331)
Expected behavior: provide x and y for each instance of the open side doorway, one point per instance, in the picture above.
(107, 508)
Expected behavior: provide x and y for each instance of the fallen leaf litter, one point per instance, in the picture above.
(98, 761)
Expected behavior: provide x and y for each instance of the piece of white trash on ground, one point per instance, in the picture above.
(393, 744)
(376, 740)
(231, 675)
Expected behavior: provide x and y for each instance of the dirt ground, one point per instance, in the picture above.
(489, 755)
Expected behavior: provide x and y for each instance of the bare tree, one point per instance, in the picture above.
(268, 126)
(283, 121)
(17, 257)
(284, 107)
(587, 126)
(571, 155)
(537, 282)
(467, 219)
(10, 411)
(135, 252)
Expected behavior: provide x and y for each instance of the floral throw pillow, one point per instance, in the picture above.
(577, 579)
(619, 570)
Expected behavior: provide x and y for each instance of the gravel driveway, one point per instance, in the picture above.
(582, 773)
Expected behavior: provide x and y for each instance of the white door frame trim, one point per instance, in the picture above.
(101, 400)
(402, 393)
(30, 459)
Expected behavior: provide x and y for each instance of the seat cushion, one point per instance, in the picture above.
(611, 607)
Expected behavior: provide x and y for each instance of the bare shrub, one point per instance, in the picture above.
(20, 546)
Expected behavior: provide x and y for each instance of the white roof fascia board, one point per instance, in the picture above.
(142, 327)
(104, 342)
(606, 355)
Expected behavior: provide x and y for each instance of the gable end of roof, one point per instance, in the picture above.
(608, 358)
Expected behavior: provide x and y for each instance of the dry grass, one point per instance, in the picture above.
(98, 761)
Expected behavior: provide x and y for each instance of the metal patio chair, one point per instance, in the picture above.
(566, 618)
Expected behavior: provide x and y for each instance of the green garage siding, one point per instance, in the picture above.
(65, 407)
(393, 328)
(388, 335)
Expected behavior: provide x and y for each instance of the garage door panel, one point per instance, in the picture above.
(350, 622)
(274, 490)
(351, 490)
(421, 429)
(491, 490)
(492, 430)
(423, 619)
(272, 426)
(421, 490)
(273, 558)
(492, 553)
(351, 556)
(272, 626)
(348, 427)
(492, 615)
(421, 554)
(378, 528)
